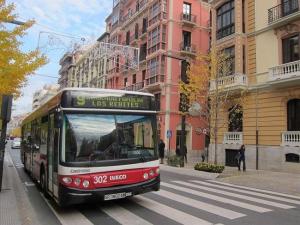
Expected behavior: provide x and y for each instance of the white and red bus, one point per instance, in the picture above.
(89, 144)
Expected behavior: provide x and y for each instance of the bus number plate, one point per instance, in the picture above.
(117, 196)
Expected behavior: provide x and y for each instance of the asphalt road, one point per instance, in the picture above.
(183, 199)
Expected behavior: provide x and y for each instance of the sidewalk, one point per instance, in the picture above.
(288, 183)
(15, 208)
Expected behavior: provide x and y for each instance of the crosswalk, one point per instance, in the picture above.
(185, 202)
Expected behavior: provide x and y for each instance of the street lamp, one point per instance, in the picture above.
(183, 107)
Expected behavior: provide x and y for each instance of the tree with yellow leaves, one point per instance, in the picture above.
(209, 85)
(15, 65)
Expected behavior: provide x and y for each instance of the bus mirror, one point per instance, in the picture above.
(57, 120)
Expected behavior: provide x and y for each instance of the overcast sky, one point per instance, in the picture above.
(72, 20)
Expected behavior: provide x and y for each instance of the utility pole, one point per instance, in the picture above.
(5, 117)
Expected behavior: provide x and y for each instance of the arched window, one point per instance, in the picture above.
(291, 157)
(235, 119)
(293, 115)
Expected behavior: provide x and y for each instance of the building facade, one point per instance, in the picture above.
(43, 95)
(84, 67)
(264, 39)
(166, 32)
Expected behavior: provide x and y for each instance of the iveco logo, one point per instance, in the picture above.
(118, 177)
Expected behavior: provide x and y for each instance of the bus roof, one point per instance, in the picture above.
(56, 100)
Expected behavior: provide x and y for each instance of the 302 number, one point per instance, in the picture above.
(100, 179)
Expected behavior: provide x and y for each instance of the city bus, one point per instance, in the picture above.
(88, 144)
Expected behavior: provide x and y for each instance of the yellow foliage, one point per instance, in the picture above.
(15, 65)
(16, 132)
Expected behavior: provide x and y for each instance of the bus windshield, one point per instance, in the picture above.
(98, 137)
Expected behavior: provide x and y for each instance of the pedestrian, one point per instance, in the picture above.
(161, 151)
(178, 151)
(184, 153)
(242, 158)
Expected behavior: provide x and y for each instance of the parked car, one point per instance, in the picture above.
(16, 143)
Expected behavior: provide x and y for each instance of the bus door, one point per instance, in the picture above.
(53, 146)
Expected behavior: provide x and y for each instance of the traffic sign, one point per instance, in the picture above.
(169, 133)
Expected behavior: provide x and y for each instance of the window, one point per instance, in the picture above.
(157, 101)
(125, 82)
(293, 113)
(127, 37)
(235, 119)
(290, 49)
(187, 11)
(228, 67)
(133, 78)
(143, 75)
(187, 40)
(289, 7)
(153, 67)
(136, 31)
(225, 20)
(144, 29)
(154, 40)
(143, 52)
(291, 157)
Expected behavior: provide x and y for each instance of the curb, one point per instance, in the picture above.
(189, 172)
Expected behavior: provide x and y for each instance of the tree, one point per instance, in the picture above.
(210, 78)
(15, 65)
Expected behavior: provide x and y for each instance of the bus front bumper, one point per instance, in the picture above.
(71, 196)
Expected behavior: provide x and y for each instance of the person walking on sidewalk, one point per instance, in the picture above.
(184, 153)
(242, 158)
(161, 151)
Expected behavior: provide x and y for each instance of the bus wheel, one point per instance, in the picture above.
(43, 183)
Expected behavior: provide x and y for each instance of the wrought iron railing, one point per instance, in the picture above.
(188, 18)
(282, 10)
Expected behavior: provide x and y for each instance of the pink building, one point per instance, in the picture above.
(160, 28)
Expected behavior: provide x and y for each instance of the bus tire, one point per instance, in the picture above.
(43, 182)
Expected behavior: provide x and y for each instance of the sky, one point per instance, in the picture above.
(59, 25)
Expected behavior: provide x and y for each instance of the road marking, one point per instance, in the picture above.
(68, 216)
(256, 189)
(227, 213)
(171, 213)
(214, 197)
(251, 193)
(123, 216)
(244, 197)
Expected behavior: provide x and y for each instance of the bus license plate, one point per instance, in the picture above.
(117, 196)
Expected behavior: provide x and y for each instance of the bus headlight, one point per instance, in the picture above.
(86, 183)
(151, 173)
(146, 176)
(157, 171)
(67, 180)
(77, 181)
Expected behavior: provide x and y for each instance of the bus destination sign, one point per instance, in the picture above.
(129, 102)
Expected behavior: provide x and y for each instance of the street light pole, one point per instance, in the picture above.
(182, 105)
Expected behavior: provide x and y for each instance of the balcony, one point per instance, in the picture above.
(291, 138)
(286, 73)
(283, 13)
(233, 138)
(153, 83)
(135, 87)
(130, 16)
(188, 49)
(236, 82)
(188, 19)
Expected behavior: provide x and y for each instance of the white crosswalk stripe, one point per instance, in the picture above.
(214, 197)
(255, 189)
(251, 193)
(124, 216)
(244, 197)
(227, 213)
(171, 213)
